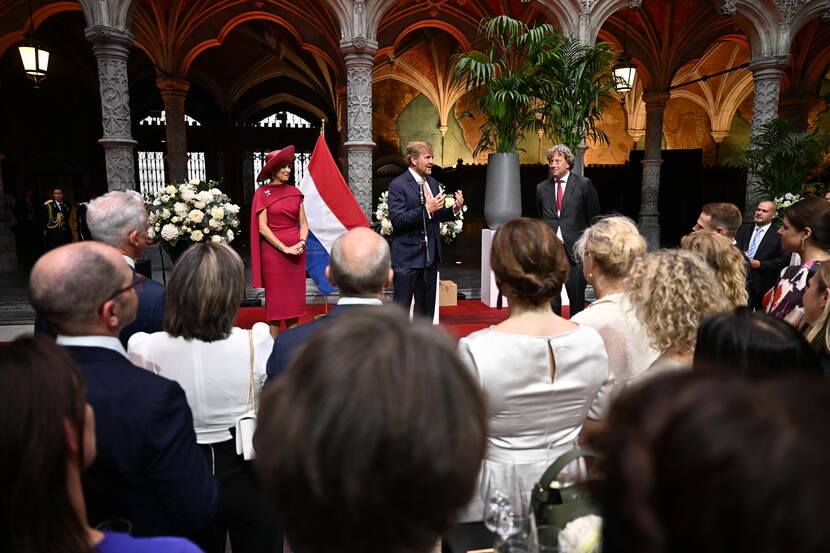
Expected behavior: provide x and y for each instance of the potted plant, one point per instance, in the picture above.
(780, 160)
(577, 81)
(504, 77)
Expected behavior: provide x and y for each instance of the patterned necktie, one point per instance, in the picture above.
(559, 195)
(753, 246)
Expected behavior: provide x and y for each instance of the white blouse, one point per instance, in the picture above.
(214, 375)
(534, 417)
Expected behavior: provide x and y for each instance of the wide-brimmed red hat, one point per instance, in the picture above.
(275, 159)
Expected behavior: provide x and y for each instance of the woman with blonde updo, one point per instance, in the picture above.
(725, 259)
(607, 250)
(542, 375)
(672, 291)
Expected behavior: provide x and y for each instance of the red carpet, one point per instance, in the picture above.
(459, 320)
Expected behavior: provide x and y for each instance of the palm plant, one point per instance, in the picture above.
(505, 77)
(781, 160)
(578, 80)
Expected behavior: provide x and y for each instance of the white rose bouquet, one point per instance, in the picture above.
(196, 211)
(783, 202)
(449, 230)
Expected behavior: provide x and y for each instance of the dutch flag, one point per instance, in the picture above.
(330, 209)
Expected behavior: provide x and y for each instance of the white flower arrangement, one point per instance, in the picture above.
(192, 212)
(581, 535)
(788, 199)
(449, 230)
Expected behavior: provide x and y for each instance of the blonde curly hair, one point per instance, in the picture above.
(614, 243)
(724, 258)
(672, 291)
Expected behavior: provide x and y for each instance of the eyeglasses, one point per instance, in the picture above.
(137, 284)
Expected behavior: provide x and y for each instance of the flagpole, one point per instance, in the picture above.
(322, 126)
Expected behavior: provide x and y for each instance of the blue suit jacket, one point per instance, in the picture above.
(148, 469)
(149, 317)
(288, 342)
(405, 213)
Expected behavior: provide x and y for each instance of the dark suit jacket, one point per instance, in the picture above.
(149, 469)
(405, 213)
(580, 204)
(288, 342)
(770, 254)
(149, 316)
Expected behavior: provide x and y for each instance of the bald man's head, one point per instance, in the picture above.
(69, 284)
(360, 263)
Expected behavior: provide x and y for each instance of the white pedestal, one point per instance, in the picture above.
(489, 290)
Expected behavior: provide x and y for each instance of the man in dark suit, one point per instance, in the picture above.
(149, 470)
(57, 221)
(360, 268)
(567, 203)
(27, 229)
(762, 246)
(119, 219)
(416, 208)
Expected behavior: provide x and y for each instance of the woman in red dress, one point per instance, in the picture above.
(278, 235)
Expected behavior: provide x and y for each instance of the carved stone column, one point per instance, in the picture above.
(359, 60)
(8, 250)
(111, 48)
(652, 160)
(767, 73)
(174, 93)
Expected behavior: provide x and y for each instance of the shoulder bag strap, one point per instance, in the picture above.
(562, 461)
(251, 398)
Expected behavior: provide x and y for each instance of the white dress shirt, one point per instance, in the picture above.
(564, 179)
(214, 375)
(761, 235)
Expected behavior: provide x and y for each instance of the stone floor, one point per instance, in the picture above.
(460, 263)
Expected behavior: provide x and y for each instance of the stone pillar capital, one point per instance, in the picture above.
(719, 136)
(769, 67)
(357, 48)
(109, 41)
(173, 86)
(655, 100)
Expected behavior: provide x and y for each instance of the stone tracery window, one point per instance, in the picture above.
(151, 175)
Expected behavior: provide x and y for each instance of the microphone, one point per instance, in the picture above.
(421, 194)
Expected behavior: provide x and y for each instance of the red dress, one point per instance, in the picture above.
(282, 275)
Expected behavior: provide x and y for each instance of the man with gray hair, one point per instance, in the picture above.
(567, 203)
(360, 266)
(148, 469)
(119, 219)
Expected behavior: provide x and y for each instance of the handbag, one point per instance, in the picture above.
(246, 424)
(556, 503)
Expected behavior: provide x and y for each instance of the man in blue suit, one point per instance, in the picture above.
(416, 208)
(149, 470)
(119, 219)
(360, 267)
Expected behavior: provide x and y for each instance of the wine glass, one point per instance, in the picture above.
(496, 503)
(523, 537)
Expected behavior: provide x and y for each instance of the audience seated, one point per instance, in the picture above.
(119, 219)
(708, 463)
(817, 315)
(211, 360)
(607, 250)
(47, 440)
(149, 470)
(752, 344)
(371, 439)
(727, 261)
(805, 231)
(672, 291)
(541, 374)
(360, 266)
